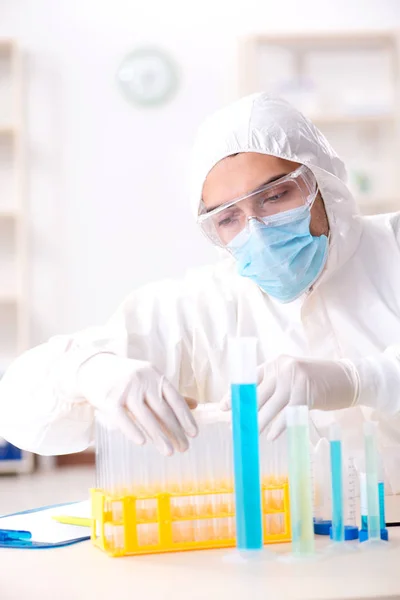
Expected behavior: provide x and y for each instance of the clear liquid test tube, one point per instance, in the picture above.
(322, 488)
(301, 509)
(350, 494)
(246, 455)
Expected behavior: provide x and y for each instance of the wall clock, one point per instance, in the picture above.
(147, 77)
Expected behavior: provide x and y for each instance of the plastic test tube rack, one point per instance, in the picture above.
(145, 503)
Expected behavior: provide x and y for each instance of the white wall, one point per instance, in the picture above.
(107, 182)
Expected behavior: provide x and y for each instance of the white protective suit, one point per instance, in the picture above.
(182, 327)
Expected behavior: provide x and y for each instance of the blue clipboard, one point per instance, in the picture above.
(28, 544)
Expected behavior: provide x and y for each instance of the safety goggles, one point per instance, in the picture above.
(272, 204)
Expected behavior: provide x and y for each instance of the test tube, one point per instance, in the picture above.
(363, 501)
(246, 455)
(381, 494)
(381, 491)
(350, 494)
(322, 487)
(371, 467)
(301, 510)
(351, 531)
(337, 483)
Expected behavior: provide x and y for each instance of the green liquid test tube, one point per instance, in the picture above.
(300, 486)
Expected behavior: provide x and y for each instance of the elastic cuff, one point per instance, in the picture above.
(354, 376)
(379, 382)
(70, 370)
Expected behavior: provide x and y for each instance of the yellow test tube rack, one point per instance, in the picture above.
(177, 521)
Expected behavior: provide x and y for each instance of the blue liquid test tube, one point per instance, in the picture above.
(381, 493)
(300, 485)
(371, 467)
(337, 483)
(246, 455)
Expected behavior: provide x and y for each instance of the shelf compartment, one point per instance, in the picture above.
(8, 333)
(9, 255)
(8, 201)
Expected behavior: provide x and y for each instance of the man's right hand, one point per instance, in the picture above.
(138, 400)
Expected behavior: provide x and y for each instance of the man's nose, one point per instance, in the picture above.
(250, 211)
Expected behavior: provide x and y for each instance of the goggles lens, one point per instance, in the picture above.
(269, 204)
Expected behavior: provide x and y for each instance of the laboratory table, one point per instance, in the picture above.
(82, 572)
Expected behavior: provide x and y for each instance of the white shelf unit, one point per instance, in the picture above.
(14, 322)
(348, 84)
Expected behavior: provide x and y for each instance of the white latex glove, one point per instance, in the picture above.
(138, 400)
(319, 384)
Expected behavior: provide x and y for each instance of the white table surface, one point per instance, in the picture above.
(83, 572)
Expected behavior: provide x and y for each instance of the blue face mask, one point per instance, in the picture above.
(283, 259)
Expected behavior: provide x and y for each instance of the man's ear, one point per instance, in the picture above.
(192, 404)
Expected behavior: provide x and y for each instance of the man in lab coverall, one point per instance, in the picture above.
(315, 282)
